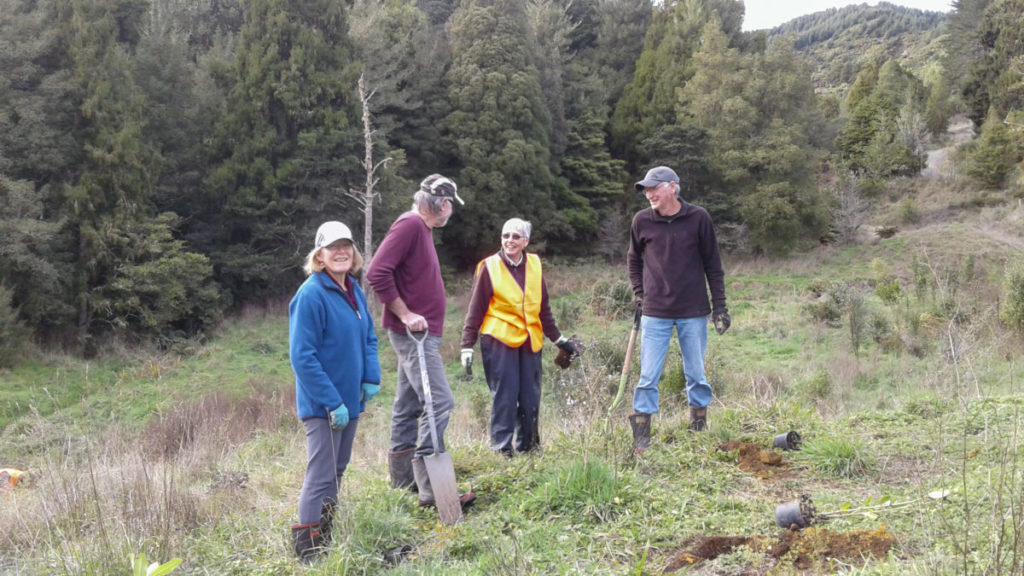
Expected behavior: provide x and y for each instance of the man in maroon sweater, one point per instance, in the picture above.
(673, 261)
(406, 276)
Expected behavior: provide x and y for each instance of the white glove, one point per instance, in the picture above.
(467, 359)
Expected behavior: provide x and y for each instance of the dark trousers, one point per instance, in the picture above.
(513, 375)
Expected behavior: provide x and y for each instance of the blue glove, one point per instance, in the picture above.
(338, 417)
(369, 391)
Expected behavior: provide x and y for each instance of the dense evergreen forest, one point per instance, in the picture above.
(165, 161)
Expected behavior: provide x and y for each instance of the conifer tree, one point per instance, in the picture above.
(404, 57)
(286, 145)
(498, 127)
(120, 245)
(760, 115)
(664, 66)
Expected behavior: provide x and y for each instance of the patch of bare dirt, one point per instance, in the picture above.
(751, 458)
(812, 550)
(938, 165)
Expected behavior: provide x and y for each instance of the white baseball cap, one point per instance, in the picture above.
(330, 232)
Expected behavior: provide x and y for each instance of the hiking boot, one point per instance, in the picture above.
(307, 540)
(641, 424)
(698, 418)
(400, 467)
(419, 470)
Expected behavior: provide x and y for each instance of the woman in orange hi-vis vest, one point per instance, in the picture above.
(509, 312)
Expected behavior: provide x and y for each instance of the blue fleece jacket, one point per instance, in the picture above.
(333, 347)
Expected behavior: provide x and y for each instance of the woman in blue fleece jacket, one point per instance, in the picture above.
(333, 351)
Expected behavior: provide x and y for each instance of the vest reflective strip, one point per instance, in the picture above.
(510, 304)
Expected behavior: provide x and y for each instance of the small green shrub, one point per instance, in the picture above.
(819, 385)
(612, 299)
(889, 291)
(909, 213)
(830, 304)
(673, 381)
(1011, 304)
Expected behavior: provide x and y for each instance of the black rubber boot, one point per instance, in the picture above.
(400, 467)
(698, 418)
(641, 424)
(307, 541)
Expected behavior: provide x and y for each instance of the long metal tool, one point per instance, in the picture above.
(629, 356)
(440, 468)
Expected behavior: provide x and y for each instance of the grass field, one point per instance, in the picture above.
(887, 357)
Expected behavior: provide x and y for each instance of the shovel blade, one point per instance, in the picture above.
(441, 472)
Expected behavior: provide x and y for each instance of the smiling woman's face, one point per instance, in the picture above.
(513, 243)
(337, 258)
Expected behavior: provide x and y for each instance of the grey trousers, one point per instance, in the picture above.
(409, 424)
(327, 455)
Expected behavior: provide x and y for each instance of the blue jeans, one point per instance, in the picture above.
(655, 334)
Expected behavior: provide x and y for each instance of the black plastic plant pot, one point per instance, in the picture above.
(788, 440)
(797, 514)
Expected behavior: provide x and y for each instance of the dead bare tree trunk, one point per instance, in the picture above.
(367, 196)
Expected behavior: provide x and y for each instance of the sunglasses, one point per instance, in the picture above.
(512, 235)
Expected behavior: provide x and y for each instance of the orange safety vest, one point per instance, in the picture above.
(514, 312)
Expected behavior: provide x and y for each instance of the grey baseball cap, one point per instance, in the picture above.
(656, 176)
(437, 185)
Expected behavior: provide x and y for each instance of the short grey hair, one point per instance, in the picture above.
(426, 201)
(517, 225)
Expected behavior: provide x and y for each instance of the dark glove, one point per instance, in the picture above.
(338, 417)
(722, 320)
(369, 391)
(568, 345)
(638, 302)
(569, 350)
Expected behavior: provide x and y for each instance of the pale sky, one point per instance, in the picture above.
(763, 14)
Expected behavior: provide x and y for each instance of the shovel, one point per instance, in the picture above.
(440, 469)
(629, 356)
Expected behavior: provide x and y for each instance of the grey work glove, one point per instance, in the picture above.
(721, 319)
(467, 360)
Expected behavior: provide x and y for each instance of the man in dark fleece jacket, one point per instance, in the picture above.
(673, 260)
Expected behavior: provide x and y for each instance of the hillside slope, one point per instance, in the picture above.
(839, 41)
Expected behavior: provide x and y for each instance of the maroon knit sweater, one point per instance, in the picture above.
(406, 266)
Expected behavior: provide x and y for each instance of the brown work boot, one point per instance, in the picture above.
(641, 424)
(698, 418)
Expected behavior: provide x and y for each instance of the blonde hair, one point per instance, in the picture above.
(314, 265)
